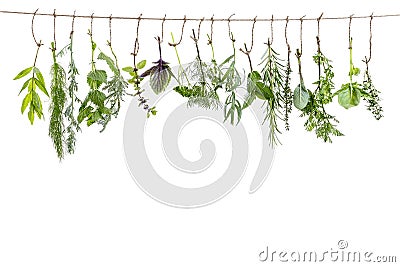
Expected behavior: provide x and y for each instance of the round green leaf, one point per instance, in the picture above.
(300, 97)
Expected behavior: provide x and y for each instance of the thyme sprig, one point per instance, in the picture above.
(371, 95)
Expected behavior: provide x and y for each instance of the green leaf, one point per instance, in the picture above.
(31, 114)
(24, 86)
(300, 97)
(31, 85)
(41, 86)
(96, 77)
(97, 97)
(226, 60)
(37, 102)
(350, 97)
(25, 102)
(128, 69)
(141, 64)
(109, 62)
(39, 76)
(23, 73)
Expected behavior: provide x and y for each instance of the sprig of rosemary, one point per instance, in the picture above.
(57, 104)
(32, 98)
(273, 78)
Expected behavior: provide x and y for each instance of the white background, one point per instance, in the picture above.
(87, 211)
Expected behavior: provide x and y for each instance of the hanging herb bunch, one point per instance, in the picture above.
(136, 79)
(58, 100)
(201, 83)
(93, 108)
(350, 93)
(72, 89)
(314, 110)
(372, 94)
(35, 81)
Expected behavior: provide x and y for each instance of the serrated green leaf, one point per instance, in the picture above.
(23, 73)
(25, 102)
(300, 97)
(96, 78)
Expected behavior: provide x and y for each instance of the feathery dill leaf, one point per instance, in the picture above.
(58, 99)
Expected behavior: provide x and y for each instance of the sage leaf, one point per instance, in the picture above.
(300, 97)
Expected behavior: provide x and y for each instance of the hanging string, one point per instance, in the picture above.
(272, 30)
(350, 19)
(301, 34)
(196, 19)
(136, 46)
(91, 25)
(211, 30)
(109, 26)
(367, 60)
(248, 51)
(54, 31)
(318, 34)
(180, 39)
(39, 44)
(72, 26)
(162, 28)
(286, 36)
(229, 28)
(198, 30)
